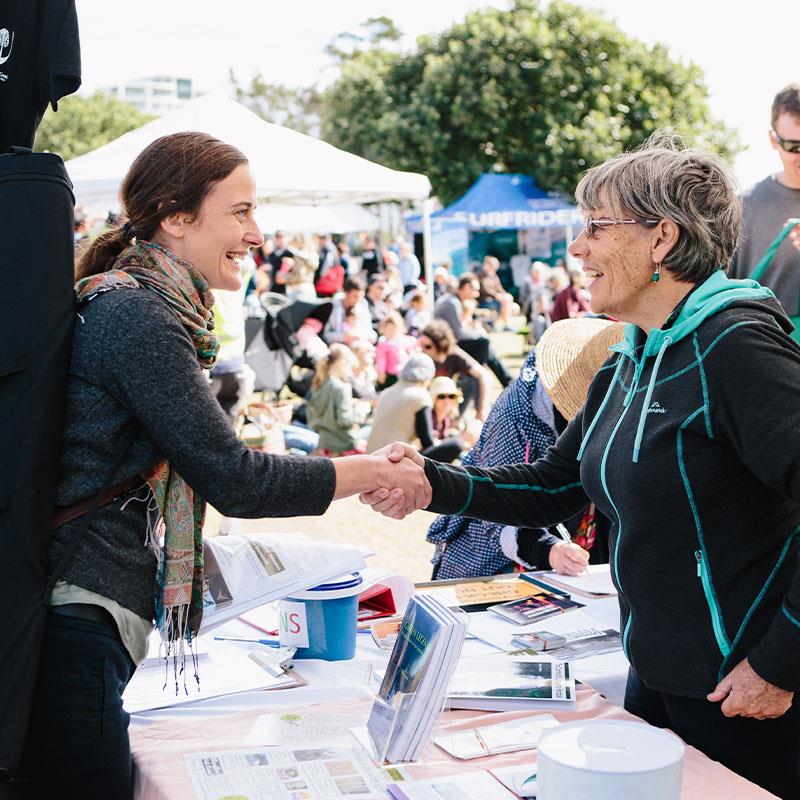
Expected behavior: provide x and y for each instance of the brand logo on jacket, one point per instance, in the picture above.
(656, 408)
(6, 43)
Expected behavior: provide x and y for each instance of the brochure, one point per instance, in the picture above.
(415, 682)
(465, 786)
(284, 773)
(508, 681)
(243, 572)
(491, 740)
(535, 608)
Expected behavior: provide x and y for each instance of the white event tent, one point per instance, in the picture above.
(290, 168)
(334, 218)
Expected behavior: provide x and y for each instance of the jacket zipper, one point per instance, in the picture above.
(716, 614)
(626, 406)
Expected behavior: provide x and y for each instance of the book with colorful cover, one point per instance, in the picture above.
(535, 608)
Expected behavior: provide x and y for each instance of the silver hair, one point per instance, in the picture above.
(663, 181)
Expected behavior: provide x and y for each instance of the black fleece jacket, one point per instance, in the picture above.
(704, 505)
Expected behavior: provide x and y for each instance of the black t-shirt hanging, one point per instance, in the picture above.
(40, 62)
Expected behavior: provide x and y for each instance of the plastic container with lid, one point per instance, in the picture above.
(609, 760)
(321, 622)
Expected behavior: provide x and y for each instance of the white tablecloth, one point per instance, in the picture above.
(342, 680)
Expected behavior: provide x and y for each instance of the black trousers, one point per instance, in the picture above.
(77, 744)
(766, 752)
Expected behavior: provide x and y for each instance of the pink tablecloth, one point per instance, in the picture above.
(158, 750)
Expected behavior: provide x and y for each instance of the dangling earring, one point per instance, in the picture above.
(657, 273)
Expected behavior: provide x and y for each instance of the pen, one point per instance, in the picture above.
(267, 642)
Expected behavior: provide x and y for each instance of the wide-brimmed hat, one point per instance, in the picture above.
(444, 385)
(568, 356)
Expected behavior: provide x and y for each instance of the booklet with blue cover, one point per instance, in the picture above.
(415, 682)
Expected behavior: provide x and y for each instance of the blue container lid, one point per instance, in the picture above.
(346, 582)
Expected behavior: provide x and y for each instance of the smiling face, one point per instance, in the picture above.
(617, 265)
(217, 240)
(787, 126)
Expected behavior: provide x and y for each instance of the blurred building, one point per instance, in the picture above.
(155, 95)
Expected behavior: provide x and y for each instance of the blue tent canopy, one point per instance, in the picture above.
(500, 200)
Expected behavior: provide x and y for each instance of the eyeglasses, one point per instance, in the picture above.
(591, 226)
(446, 396)
(789, 145)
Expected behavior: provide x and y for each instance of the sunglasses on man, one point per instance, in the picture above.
(446, 396)
(591, 226)
(789, 145)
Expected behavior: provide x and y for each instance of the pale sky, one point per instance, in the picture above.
(747, 54)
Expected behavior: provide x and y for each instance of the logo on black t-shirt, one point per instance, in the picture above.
(6, 43)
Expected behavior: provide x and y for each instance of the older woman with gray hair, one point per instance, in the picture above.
(689, 441)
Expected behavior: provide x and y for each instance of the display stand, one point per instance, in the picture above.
(381, 736)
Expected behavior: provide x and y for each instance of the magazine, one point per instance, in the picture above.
(507, 681)
(283, 773)
(477, 594)
(243, 572)
(606, 641)
(415, 682)
(535, 608)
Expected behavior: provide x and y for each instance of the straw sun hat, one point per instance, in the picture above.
(568, 356)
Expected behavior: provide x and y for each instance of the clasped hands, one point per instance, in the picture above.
(404, 488)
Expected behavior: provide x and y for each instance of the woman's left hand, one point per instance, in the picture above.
(746, 694)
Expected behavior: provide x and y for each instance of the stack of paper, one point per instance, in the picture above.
(416, 679)
(594, 582)
(221, 672)
(242, 572)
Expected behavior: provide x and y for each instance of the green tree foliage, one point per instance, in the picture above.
(544, 90)
(375, 31)
(296, 108)
(82, 124)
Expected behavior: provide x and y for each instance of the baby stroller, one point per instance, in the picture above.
(273, 345)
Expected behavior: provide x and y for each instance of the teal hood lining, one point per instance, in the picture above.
(715, 293)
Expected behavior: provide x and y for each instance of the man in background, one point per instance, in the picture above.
(772, 201)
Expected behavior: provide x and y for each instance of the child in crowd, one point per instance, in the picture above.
(417, 316)
(329, 405)
(364, 376)
(393, 349)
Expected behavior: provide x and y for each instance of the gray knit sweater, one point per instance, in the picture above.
(131, 357)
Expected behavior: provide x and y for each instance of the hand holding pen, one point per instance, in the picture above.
(566, 557)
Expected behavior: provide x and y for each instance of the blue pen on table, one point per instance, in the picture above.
(267, 642)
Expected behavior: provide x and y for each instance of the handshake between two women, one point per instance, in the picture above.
(391, 480)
